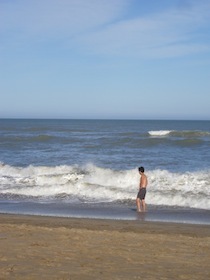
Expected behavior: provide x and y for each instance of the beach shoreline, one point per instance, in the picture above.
(108, 211)
(78, 248)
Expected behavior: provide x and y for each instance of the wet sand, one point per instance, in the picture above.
(35, 247)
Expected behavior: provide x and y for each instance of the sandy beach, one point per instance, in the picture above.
(34, 247)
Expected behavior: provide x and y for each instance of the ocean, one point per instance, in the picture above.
(89, 168)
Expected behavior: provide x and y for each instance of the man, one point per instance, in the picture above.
(140, 200)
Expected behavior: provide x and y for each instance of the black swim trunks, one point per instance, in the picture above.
(142, 193)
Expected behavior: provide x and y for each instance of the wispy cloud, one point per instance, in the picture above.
(98, 27)
(173, 33)
(52, 18)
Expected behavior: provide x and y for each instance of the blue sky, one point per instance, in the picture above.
(121, 59)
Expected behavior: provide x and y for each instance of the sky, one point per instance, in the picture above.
(105, 59)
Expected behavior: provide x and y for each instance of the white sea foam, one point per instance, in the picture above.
(93, 184)
(180, 133)
(159, 132)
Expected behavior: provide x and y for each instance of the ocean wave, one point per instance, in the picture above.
(27, 138)
(181, 133)
(191, 133)
(159, 132)
(94, 184)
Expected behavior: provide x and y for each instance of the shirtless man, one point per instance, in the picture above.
(140, 200)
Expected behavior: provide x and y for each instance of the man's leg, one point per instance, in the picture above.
(143, 205)
(138, 205)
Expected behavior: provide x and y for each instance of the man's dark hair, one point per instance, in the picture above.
(141, 169)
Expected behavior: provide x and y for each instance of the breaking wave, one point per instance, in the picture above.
(90, 183)
(181, 133)
(159, 132)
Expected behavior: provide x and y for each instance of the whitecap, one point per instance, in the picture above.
(159, 132)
